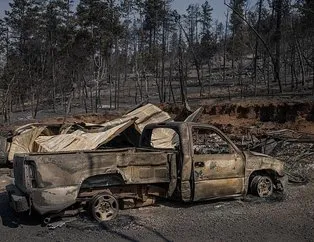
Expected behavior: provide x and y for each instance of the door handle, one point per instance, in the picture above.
(199, 164)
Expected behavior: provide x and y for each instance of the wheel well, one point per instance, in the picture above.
(267, 172)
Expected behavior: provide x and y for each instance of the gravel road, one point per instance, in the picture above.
(251, 220)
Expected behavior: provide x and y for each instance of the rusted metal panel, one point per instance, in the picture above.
(55, 170)
(233, 171)
(79, 140)
(218, 167)
(24, 142)
(210, 189)
(221, 175)
(187, 163)
(256, 162)
(41, 138)
(53, 200)
(60, 175)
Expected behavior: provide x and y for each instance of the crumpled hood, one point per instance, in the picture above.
(259, 161)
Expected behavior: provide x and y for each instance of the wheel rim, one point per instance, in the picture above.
(265, 187)
(105, 207)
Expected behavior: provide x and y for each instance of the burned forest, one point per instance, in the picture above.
(153, 120)
(99, 55)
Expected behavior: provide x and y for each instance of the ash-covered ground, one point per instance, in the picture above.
(251, 219)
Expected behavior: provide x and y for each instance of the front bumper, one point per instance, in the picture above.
(17, 199)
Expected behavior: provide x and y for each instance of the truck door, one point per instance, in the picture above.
(218, 165)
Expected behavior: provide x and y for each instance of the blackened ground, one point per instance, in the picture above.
(250, 220)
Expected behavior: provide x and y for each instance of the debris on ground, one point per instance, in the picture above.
(296, 149)
(60, 224)
(293, 147)
(84, 136)
(120, 132)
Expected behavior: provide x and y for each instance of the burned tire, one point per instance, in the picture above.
(262, 186)
(104, 207)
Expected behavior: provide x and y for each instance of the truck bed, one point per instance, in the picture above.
(135, 165)
(54, 180)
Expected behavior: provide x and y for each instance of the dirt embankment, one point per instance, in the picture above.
(237, 118)
(259, 117)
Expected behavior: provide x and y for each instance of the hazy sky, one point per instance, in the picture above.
(180, 5)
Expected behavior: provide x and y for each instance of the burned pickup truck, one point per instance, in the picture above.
(190, 162)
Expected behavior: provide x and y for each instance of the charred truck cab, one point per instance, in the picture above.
(210, 165)
(179, 160)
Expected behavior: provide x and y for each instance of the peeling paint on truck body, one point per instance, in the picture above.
(57, 177)
(227, 182)
(54, 181)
